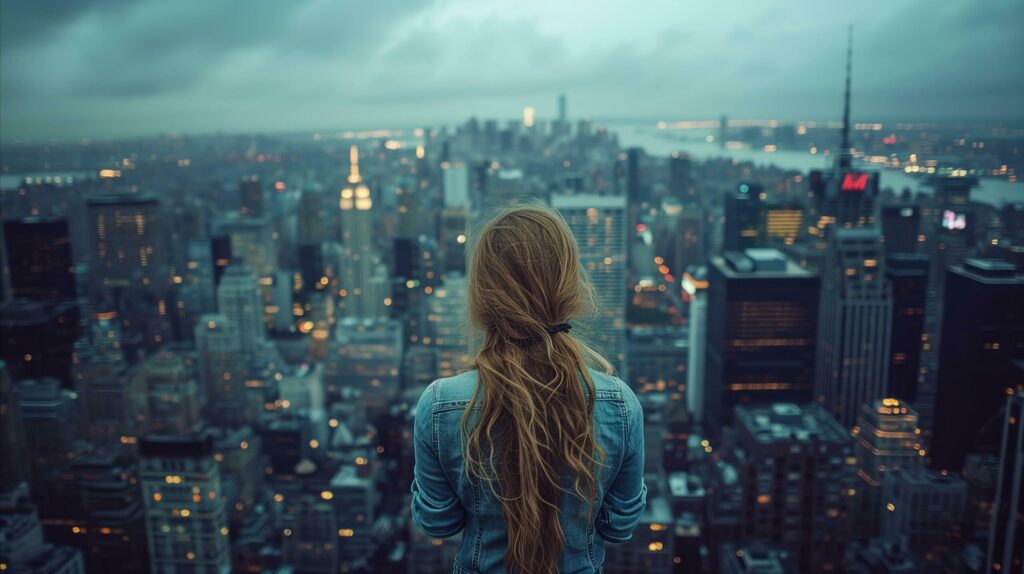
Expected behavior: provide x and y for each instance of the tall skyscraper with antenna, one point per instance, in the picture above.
(363, 277)
(854, 326)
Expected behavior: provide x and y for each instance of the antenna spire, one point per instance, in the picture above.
(353, 158)
(844, 149)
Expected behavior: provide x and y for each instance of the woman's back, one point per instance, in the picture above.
(532, 455)
(447, 500)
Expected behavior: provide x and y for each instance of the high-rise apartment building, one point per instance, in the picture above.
(238, 299)
(1006, 540)
(798, 471)
(761, 333)
(599, 224)
(186, 522)
(983, 344)
(855, 321)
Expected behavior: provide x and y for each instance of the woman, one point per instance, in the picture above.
(534, 457)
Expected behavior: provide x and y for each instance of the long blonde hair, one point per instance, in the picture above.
(534, 392)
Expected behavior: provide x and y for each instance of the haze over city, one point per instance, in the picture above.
(236, 259)
(113, 68)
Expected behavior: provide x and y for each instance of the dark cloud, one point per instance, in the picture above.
(113, 67)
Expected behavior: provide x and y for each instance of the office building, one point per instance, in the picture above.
(186, 522)
(780, 222)
(449, 325)
(756, 558)
(680, 182)
(798, 471)
(105, 392)
(364, 285)
(599, 225)
(982, 332)
(130, 265)
(680, 235)
(15, 466)
(742, 215)
(901, 228)
(365, 356)
(24, 549)
(95, 503)
(761, 333)
(855, 321)
(926, 507)
(888, 439)
(239, 299)
(695, 289)
(39, 258)
(222, 373)
(456, 185)
(907, 274)
(46, 412)
(1006, 540)
(250, 196)
(37, 337)
(636, 192)
(171, 396)
(252, 242)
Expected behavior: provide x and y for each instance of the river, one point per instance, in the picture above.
(663, 142)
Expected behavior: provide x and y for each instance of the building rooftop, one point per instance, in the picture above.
(787, 422)
(761, 263)
(123, 199)
(588, 200)
(685, 485)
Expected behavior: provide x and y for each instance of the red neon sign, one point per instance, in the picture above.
(854, 182)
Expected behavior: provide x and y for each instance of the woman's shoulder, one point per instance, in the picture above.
(610, 386)
(456, 389)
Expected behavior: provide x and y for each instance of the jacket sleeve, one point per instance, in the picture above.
(436, 508)
(626, 498)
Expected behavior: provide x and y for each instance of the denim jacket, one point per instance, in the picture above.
(445, 501)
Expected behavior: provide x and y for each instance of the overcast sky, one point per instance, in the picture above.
(98, 69)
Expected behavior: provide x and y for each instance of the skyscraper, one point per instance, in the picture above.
(926, 508)
(907, 274)
(252, 242)
(786, 501)
(186, 521)
(39, 258)
(171, 397)
(900, 228)
(456, 184)
(250, 196)
(449, 325)
(222, 372)
(1006, 541)
(741, 218)
(761, 333)
(238, 298)
(680, 184)
(46, 413)
(696, 292)
(599, 225)
(855, 322)
(888, 439)
(982, 339)
(361, 281)
(15, 467)
(103, 384)
(636, 193)
(129, 265)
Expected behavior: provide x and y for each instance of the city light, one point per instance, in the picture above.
(254, 292)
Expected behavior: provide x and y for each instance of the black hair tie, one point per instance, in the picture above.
(559, 328)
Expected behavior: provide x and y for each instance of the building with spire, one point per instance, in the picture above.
(364, 281)
(855, 324)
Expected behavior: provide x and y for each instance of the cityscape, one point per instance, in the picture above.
(213, 343)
